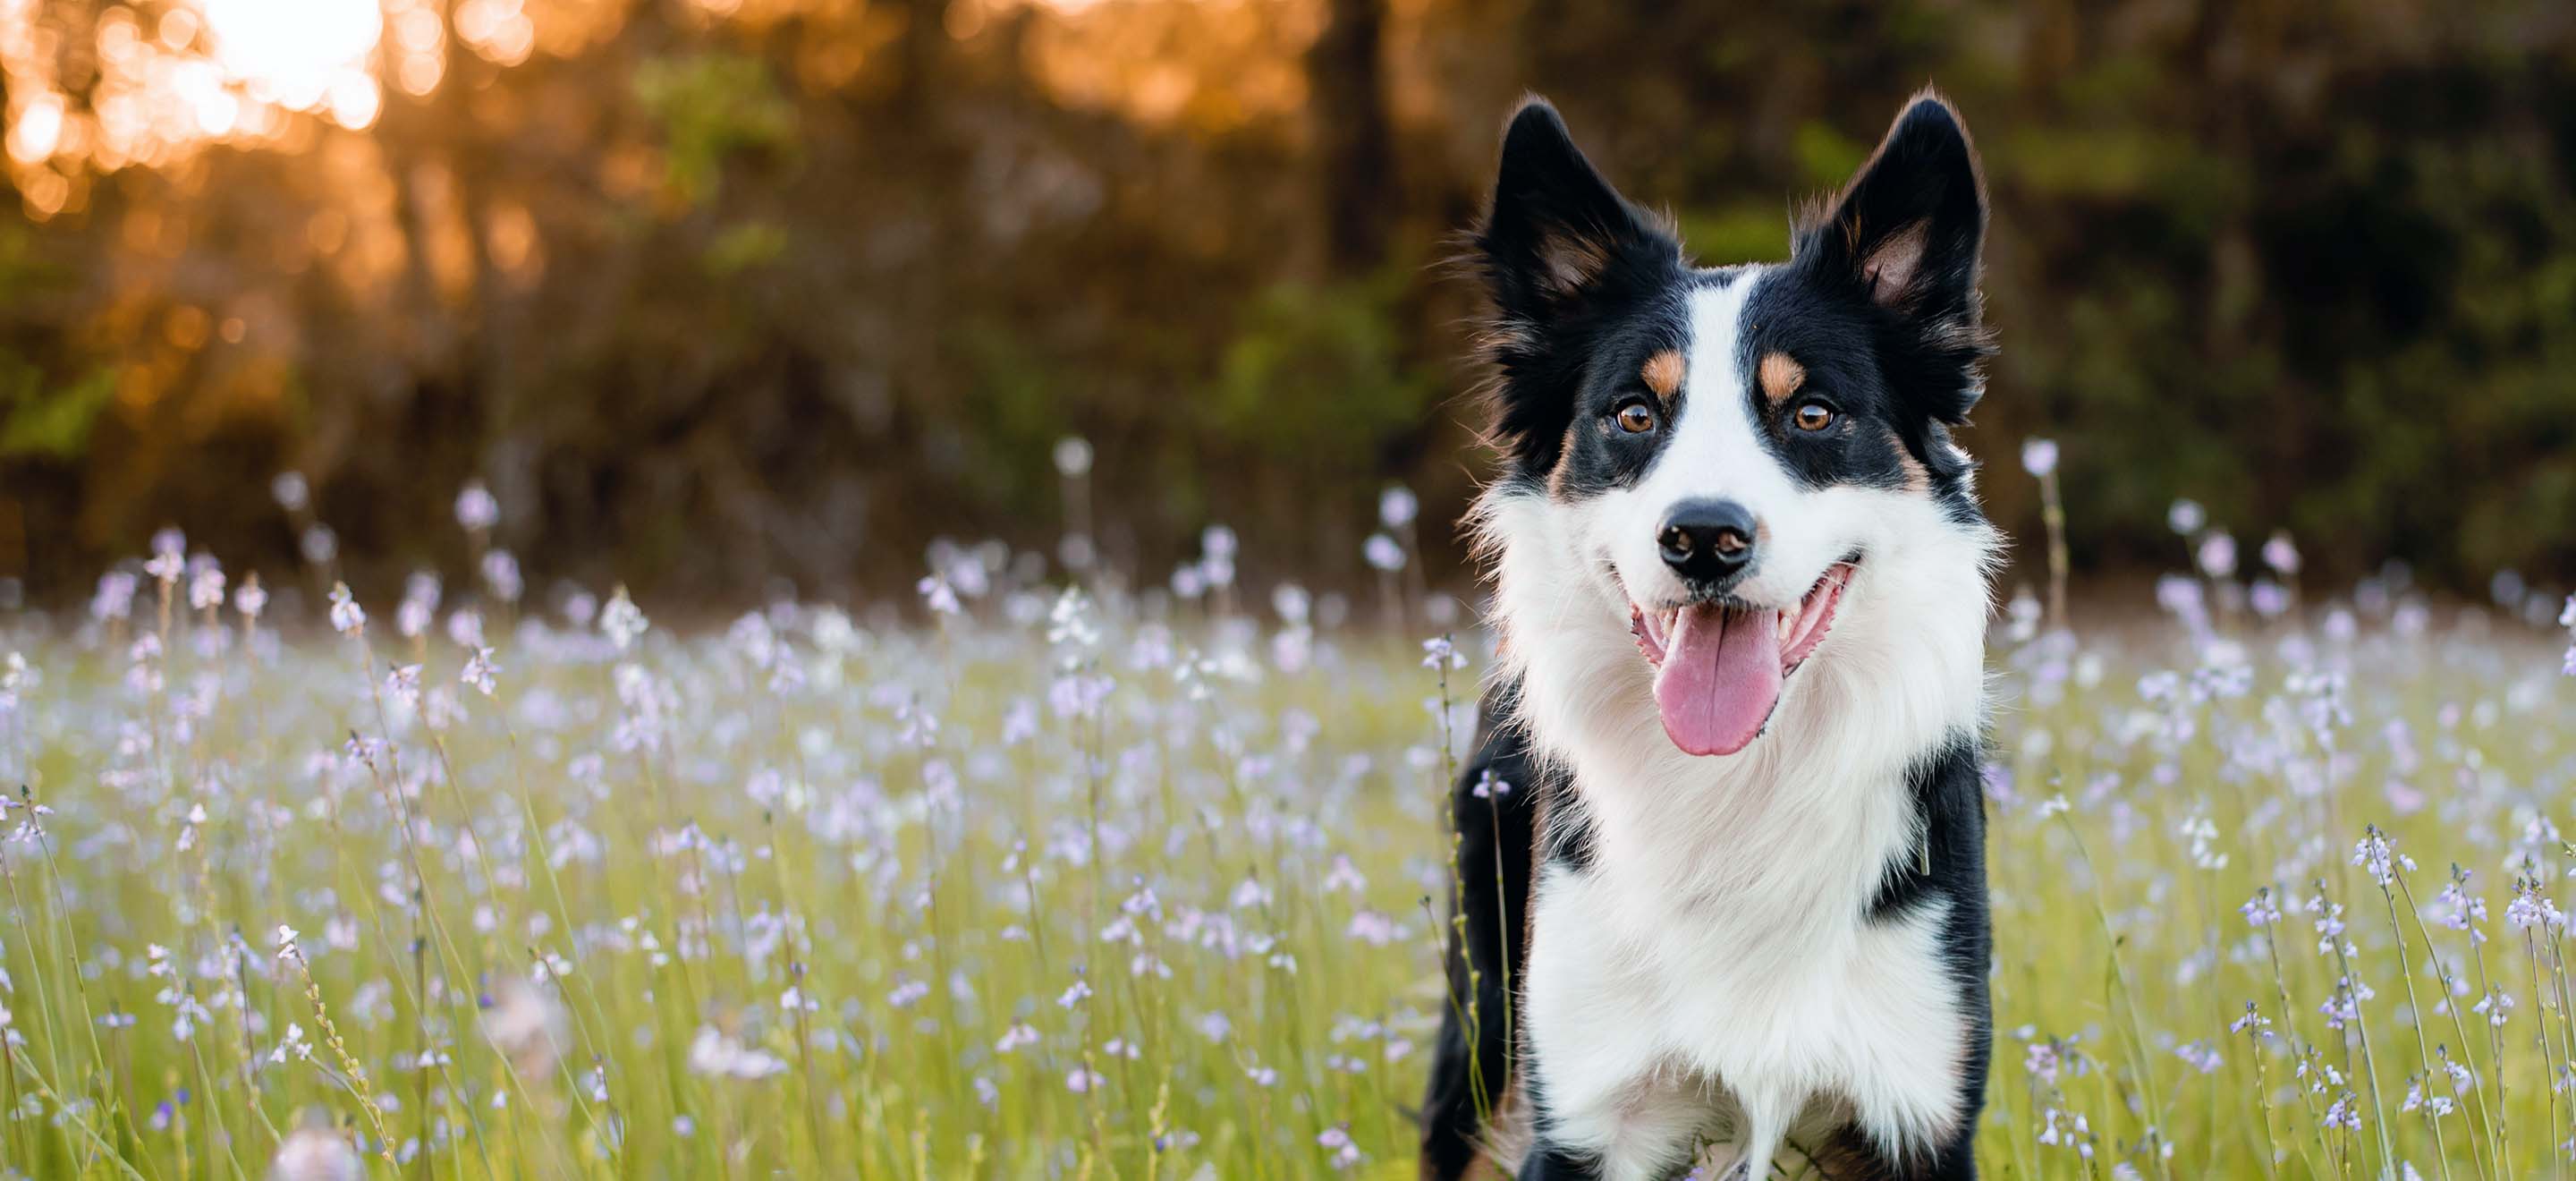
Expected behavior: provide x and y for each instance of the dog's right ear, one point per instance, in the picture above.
(1558, 239)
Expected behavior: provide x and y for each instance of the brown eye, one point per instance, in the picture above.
(1812, 416)
(1636, 418)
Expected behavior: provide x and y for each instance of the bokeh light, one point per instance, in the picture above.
(196, 73)
(300, 54)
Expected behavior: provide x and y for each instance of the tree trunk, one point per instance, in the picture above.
(1345, 71)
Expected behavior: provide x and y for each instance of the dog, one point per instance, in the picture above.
(1721, 889)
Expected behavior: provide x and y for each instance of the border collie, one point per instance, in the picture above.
(1722, 892)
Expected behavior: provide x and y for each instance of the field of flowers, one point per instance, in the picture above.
(1026, 881)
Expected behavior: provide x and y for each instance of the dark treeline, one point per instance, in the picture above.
(715, 294)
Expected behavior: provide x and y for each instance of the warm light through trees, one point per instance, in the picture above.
(721, 289)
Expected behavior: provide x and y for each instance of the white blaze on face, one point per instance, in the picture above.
(1717, 453)
(1720, 671)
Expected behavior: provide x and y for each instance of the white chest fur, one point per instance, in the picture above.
(1716, 971)
(1654, 1027)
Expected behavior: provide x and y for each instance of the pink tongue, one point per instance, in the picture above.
(1720, 678)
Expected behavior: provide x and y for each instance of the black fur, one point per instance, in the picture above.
(1496, 835)
(1903, 357)
(1549, 1163)
(1568, 264)
(1923, 183)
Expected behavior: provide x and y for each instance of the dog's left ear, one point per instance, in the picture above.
(1906, 234)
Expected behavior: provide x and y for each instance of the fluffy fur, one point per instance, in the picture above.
(1778, 952)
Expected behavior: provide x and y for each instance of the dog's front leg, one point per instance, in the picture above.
(1647, 1137)
(1607, 1098)
(1604, 1115)
(1547, 1162)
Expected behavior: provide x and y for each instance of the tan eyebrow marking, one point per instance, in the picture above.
(1663, 374)
(1780, 377)
(1556, 473)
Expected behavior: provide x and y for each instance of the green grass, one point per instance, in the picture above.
(730, 903)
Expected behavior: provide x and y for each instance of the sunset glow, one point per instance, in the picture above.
(299, 54)
(197, 73)
(91, 91)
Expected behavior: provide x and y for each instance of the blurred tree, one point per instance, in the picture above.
(711, 291)
(1350, 127)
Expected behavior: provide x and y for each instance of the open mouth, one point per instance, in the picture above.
(1719, 666)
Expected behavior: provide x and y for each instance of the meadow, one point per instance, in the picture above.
(1095, 878)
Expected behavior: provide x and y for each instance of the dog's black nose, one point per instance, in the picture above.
(1707, 540)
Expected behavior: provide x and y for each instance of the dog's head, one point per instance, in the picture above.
(1726, 459)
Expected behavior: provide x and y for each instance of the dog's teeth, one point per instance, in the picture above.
(1787, 621)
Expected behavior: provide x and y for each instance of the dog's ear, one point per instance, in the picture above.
(1558, 239)
(1559, 248)
(1905, 235)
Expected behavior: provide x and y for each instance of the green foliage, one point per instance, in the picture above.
(1021, 399)
(43, 417)
(39, 419)
(1826, 156)
(2315, 268)
(709, 108)
(745, 246)
(1318, 374)
(1753, 232)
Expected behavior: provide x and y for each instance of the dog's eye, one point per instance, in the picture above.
(1812, 416)
(1636, 418)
